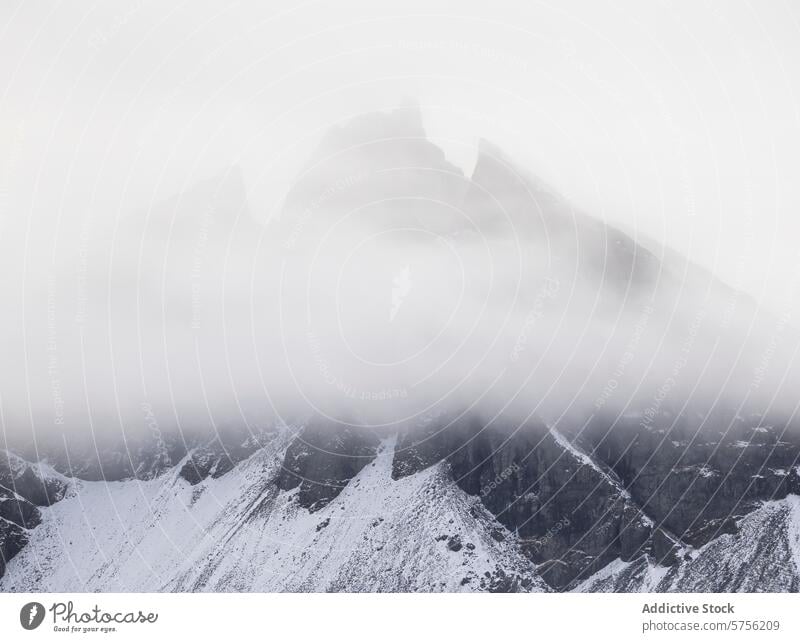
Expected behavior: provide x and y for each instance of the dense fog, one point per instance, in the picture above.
(241, 215)
(390, 287)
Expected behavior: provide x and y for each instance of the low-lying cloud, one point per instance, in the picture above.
(390, 286)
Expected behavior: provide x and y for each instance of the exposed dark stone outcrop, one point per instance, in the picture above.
(573, 504)
(571, 517)
(23, 487)
(323, 459)
(219, 455)
(759, 557)
(18, 510)
(22, 478)
(428, 444)
(695, 477)
(645, 491)
(501, 582)
(454, 543)
(12, 540)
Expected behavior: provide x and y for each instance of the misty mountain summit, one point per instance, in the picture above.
(413, 379)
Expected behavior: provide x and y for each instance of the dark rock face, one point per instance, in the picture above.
(18, 510)
(433, 441)
(618, 491)
(642, 492)
(695, 482)
(23, 479)
(572, 518)
(454, 543)
(322, 459)
(17, 515)
(759, 557)
(12, 539)
(22, 489)
(501, 582)
(220, 455)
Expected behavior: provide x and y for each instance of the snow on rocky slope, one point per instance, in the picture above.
(764, 556)
(239, 532)
(316, 509)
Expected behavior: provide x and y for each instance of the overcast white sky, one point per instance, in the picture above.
(678, 120)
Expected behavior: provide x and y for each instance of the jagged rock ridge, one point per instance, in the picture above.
(449, 505)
